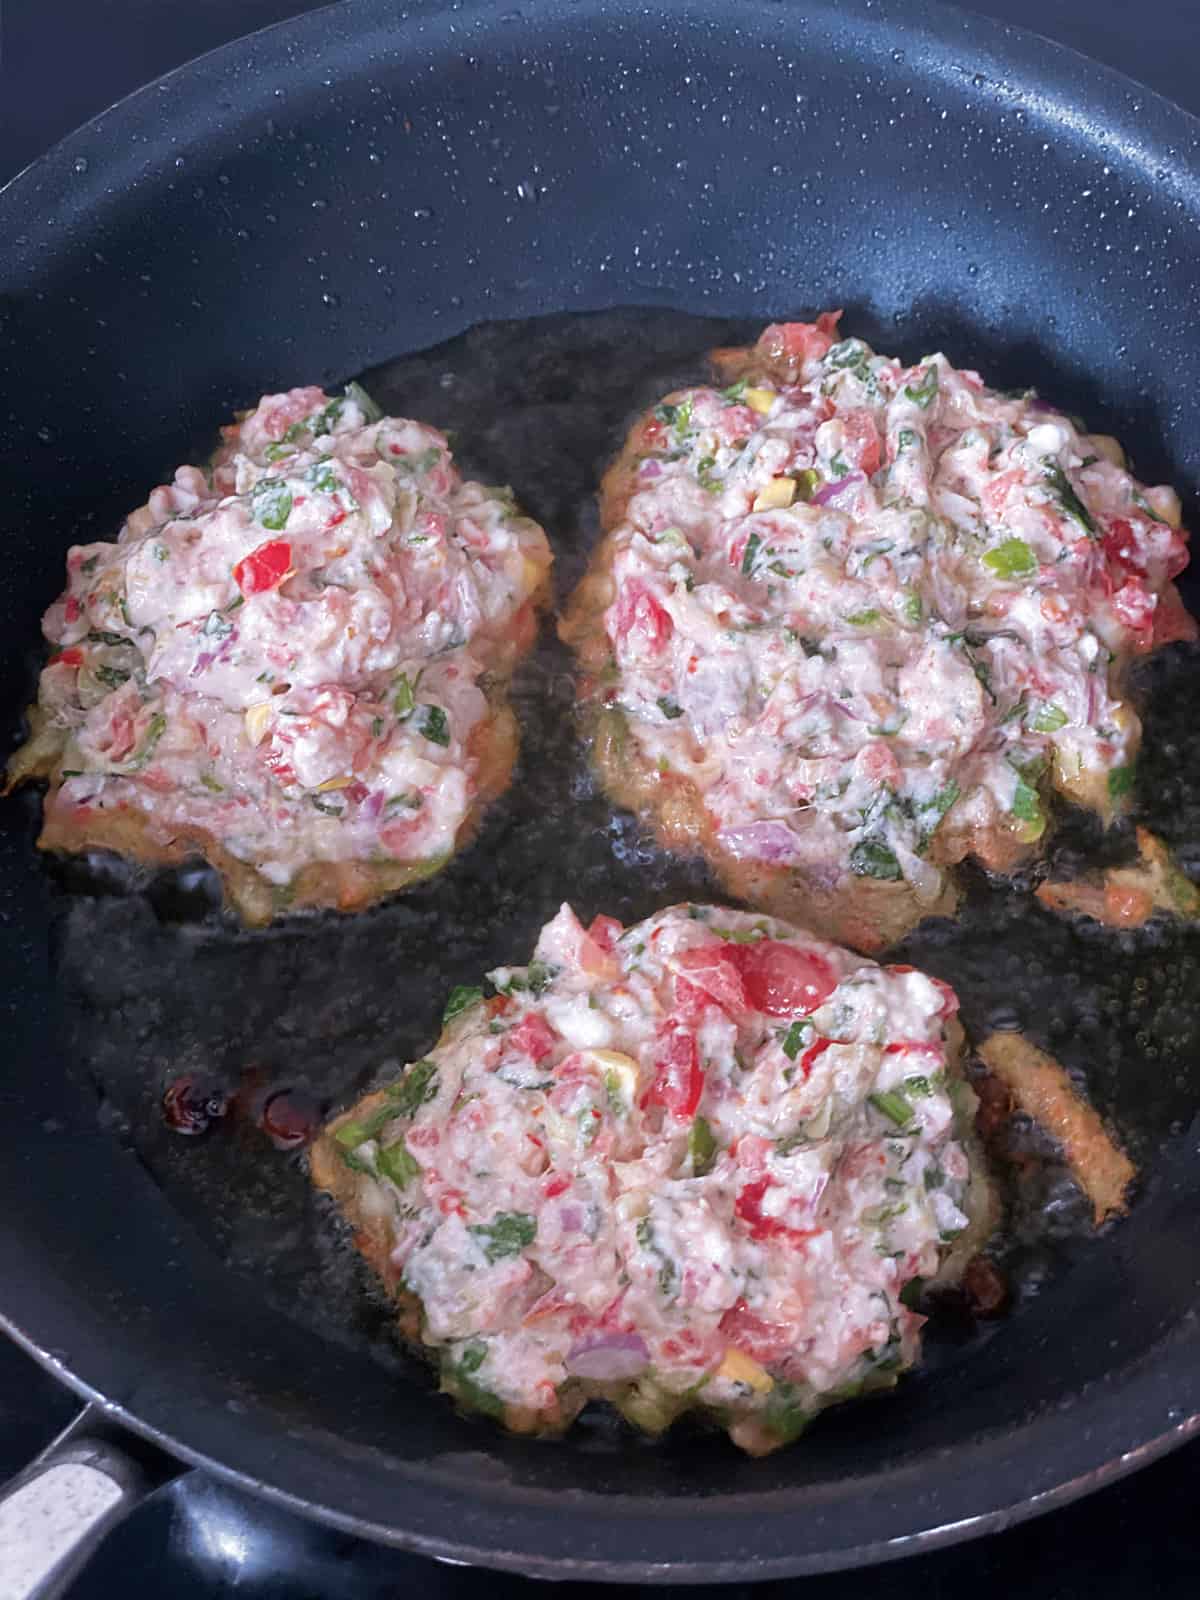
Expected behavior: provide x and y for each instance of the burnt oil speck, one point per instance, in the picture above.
(165, 997)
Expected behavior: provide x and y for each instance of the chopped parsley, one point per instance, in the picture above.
(435, 727)
(507, 1234)
(461, 999)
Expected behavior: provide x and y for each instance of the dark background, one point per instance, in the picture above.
(59, 65)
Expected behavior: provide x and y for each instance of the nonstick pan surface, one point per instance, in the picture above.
(315, 203)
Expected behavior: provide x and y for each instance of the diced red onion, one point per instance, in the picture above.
(764, 841)
(1036, 403)
(373, 804)
(570, 1218)
(650, 469)
(832, 490)
(608, 1357)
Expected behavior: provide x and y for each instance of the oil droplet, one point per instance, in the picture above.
(331, 300)
(46, 435)
(422, 213)
(527, 190)
(81, 164)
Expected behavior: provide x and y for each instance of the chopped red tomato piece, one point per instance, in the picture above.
(1121, 547)
(780, 980)
(914, 1047)
(533, 1037)
(809, 1057)
(749, 1207)
(264, 568)
(66, 658)
(639, 613)
(799, 342)
(711, 967)
(678, 1079)
(1133, 604)
(605, 931)
(862, 448)
(762, 1340)
(691, 1002)
(72, 608)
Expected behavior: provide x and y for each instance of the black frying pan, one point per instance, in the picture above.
(365, 182)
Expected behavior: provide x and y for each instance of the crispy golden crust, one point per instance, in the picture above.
(329, 885)
(1127, 897)
(1043, 1089)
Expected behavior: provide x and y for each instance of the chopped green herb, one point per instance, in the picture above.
(404, 701)
(704, 474)
(1048, 718)
(1025, 803)
(371, 411)
(734, 392)
(807, 483)
(789, 1411)
(410, 802)
(864, 619)
(395, 1163)
(154, 732)
(322, 477)
(871, 858)
(114, 677)
(376, 727)
(415, 1089)
(507, 1234)
(668, 708)
(1143, 504)
(839, 466)
(539, 976)
(435, 726)
(891, 1104)
(161, 553)
(216, 626)
(276, 452)
(90, 564)
(331, 808)
(461, 999)
(1012, 559)
(271, 503)
(209, 782)
(934, 1178)
(1064, 492)
(752, 548)
(1121, 781)
(920, 1086)
(702, 1147)
(906, 439)
(923, 392)
(910, 1295)
(106, 638)
(423, 461)
(795, 1037)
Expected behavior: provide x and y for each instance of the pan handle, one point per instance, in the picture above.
(55, 1513)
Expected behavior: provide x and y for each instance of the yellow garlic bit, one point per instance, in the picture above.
(257, 720)
(741, 1368)
(760, 400)
(777, 495)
